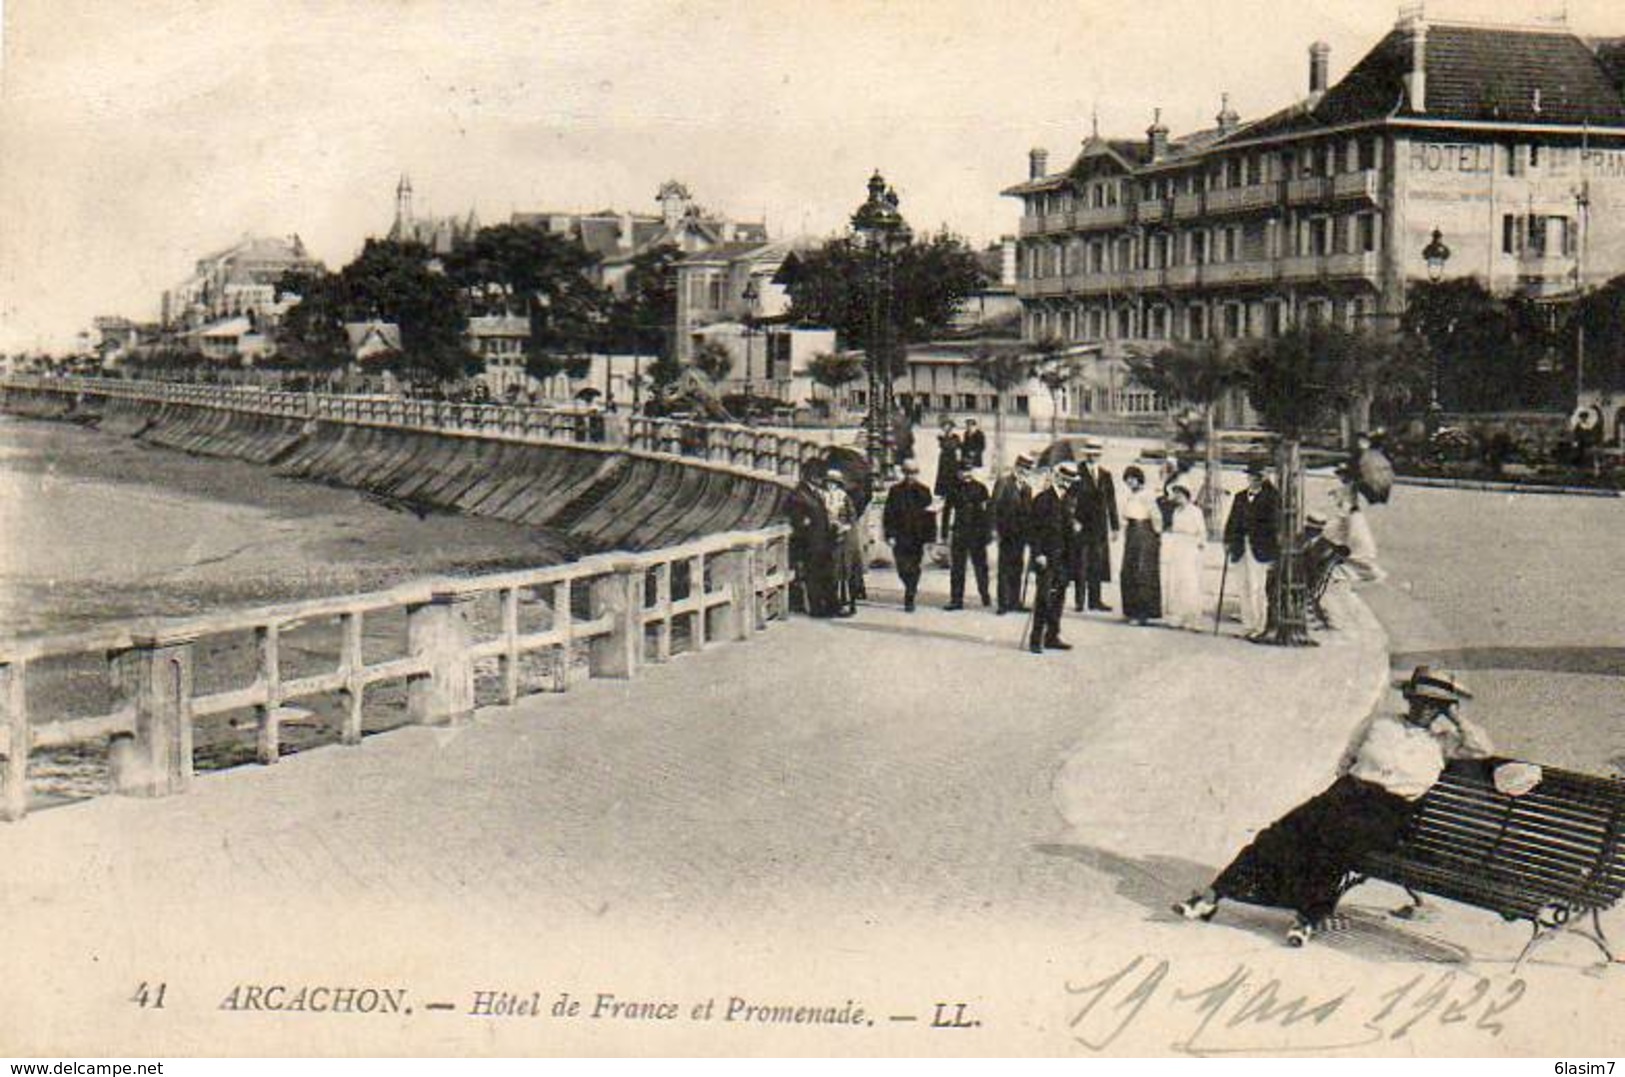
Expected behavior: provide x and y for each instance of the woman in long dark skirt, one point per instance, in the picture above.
(1141, 583)
(1301, 861)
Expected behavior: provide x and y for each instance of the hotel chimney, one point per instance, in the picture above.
(1320, 56)
(1414, 37)
(1228, 119)
(1157, 137)
(1037, 163)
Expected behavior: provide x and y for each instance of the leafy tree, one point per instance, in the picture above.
(645, 316)
(1596, 327)
(1056, 371)
(1197, 374)
(1485, 352)
(526, 270)
(1000, 370)
(168, 361)
(311, 336)
(713, 361)
(1296, 382)
(837, 285)
(664, 373)
(833, 370)
(394, 282)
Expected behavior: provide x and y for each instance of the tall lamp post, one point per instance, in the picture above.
(1436, 254)
(749, 295)
(880, 228)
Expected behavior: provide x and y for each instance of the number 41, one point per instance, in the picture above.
(149, 996)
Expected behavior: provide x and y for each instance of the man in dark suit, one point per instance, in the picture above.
(1012, 520)
(1053, 534)
(973, 530)
(1251, 541)
(949, 456)
(909, 525)
(973, 447)
(1094, 505)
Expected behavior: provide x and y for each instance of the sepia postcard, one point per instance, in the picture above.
(677, 528)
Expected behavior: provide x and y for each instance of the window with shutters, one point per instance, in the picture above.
(1537, 236)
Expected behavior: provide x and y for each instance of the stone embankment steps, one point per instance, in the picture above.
(605, 498)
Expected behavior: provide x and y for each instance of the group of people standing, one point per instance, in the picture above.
(1055, 524)
(1054, 527)
(826, 542)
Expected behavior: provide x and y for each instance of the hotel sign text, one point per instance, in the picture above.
(1609, 164)
(1451, 157)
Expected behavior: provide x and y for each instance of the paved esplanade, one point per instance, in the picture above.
(899, 810)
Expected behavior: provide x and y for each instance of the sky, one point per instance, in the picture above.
(139, 135)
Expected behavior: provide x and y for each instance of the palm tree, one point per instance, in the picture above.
(1057, 371)
(1001, 371)
(1198, 374)
(834, 369)
(1298, 382)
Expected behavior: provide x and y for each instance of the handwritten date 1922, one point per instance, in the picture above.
(1247, 1012)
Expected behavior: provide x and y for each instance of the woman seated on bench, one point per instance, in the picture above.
(1300, 861)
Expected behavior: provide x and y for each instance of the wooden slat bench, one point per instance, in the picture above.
(1551, 856)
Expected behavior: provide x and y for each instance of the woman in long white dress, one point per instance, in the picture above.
(1184, 543)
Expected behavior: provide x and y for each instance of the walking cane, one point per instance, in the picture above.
(1030, 623)
(1218, 608)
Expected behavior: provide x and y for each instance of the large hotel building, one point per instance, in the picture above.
(1510, 143)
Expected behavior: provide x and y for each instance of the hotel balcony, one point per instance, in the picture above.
(1035, 288)
(1187, 206)
(1365, 185)
(1243, 199)
(1114, 280)
(1308, 189)
(1152, 211)
(1186, 276)
(1331, 266)
(1100, 216)
(1091, 217)
(1254, 272)
(1044, 224)
(1145, 278)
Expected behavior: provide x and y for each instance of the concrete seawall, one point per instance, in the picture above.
(606, 497)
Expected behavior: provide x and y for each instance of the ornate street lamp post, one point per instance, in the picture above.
(1436, 254)
(749, 295)
(879, 227)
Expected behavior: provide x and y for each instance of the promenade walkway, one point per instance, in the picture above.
(898, 810)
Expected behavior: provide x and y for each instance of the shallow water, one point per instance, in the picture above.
(97, 528)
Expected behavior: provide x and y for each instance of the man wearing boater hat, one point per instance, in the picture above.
(1053, 533)
(1012, 520)
(1299, 862)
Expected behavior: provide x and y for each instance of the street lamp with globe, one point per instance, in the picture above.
(880, 228)
(1436, 254)
(750, 295)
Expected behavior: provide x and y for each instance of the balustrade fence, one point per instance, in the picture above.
(763, 452)
(504, 635)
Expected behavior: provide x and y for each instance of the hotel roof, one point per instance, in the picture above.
(1474, 74)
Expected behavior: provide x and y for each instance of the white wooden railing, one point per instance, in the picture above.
(602, 616)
